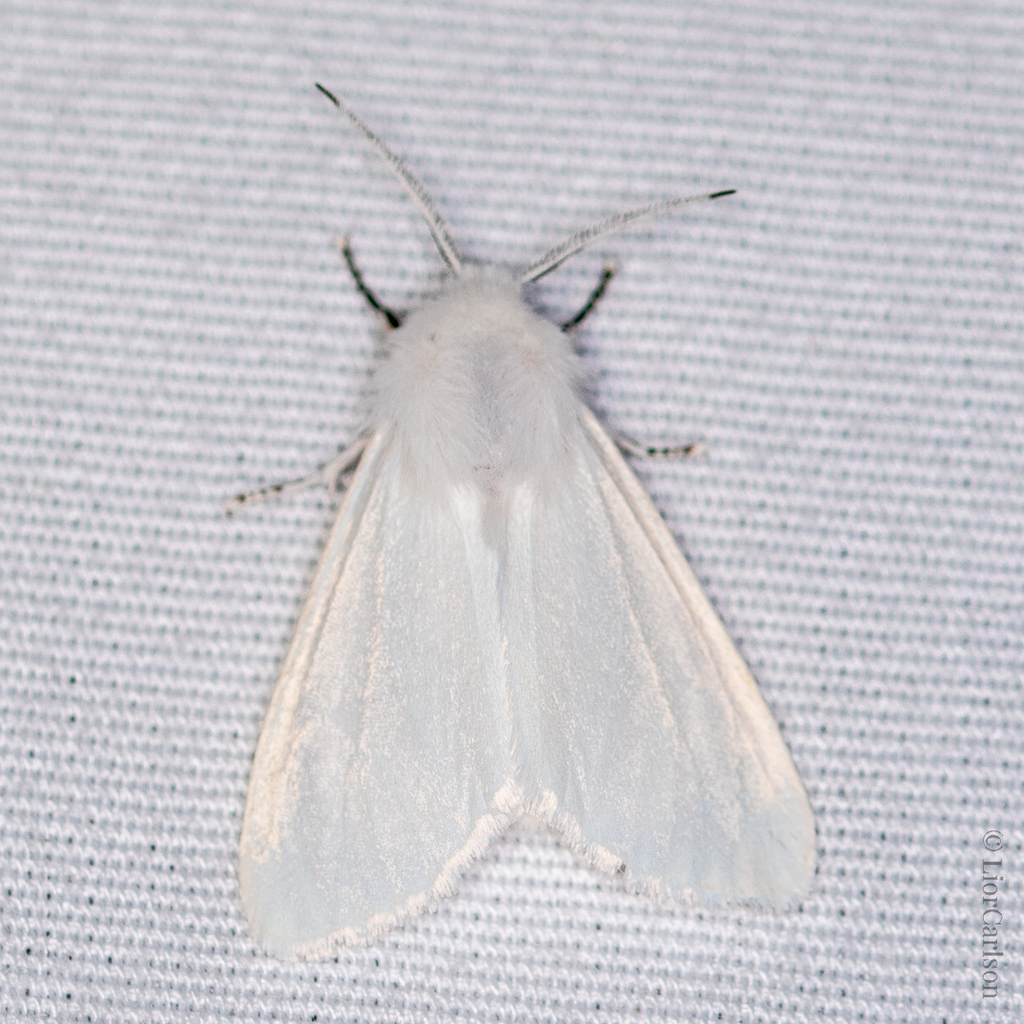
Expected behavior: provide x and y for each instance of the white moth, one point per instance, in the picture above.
(501, 624)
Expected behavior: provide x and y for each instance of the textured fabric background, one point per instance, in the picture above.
(845, 335)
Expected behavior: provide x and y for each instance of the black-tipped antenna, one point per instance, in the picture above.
(436, 223)
(611, 226)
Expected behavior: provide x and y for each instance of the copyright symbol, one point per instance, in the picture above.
(993, 840)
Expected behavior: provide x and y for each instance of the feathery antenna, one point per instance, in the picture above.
(557, 256)
(438, 228)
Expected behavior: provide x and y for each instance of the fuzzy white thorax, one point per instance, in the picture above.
(479, 392)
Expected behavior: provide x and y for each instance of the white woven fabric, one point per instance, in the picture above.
(845, 335)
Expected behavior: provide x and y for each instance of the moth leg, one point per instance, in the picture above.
(595, 296)
(364, 290)
(328, 474)
(628, 446)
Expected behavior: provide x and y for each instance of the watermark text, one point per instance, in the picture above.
(991, 914)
